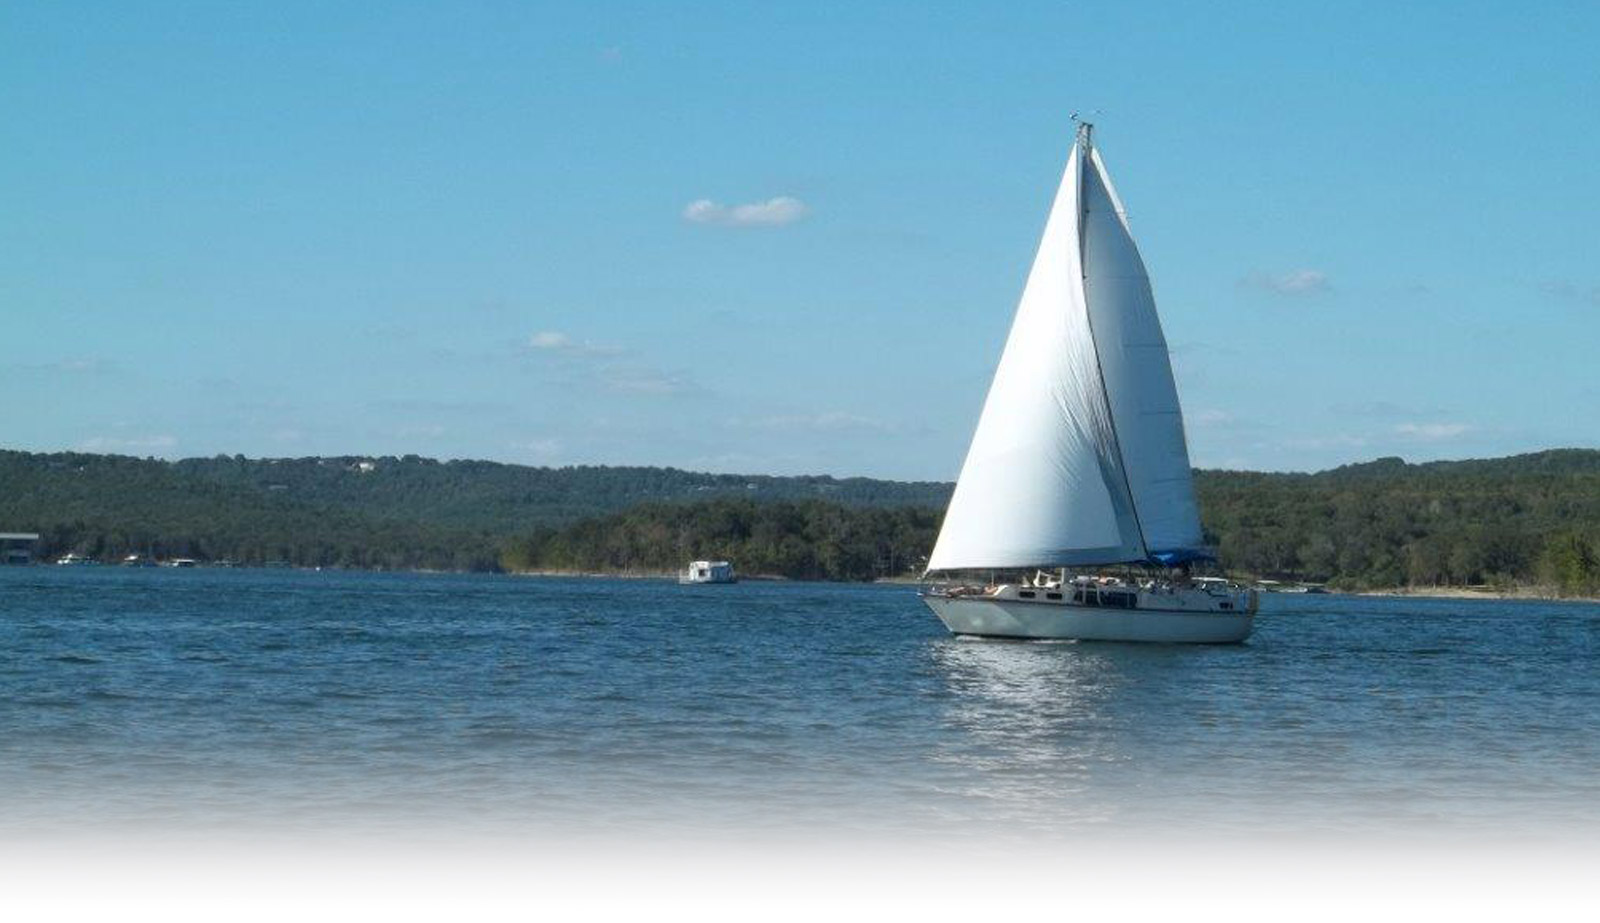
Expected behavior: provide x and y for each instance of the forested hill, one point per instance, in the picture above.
(1526, 518)
(359, 511)
(1381, 523)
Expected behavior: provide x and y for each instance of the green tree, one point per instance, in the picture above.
(1570, 563)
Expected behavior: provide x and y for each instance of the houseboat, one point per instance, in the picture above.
(708, 572)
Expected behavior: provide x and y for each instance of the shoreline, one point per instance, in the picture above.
(646, 575)
(613, 575)
(1528, 593)
(1531, 593)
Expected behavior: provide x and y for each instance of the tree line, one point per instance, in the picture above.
(1529, 519)
(806, 540)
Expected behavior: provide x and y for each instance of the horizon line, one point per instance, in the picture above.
(836, 477)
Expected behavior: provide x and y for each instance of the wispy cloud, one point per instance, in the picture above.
(546, 450)
(833, 421)
(1432, 432)
(429, 406)
(1326, 441)
(79, 366)
(129, 443)
(774, 212)
(1382, 409)
(611, 367)
(643, 379)
(1297, 282)
(1564, 290)
(1212, 418)
(554, 341)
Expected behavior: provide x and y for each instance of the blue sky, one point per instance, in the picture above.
(748, 238)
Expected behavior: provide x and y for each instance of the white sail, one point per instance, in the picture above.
(1042, 484)
(1137, 373)
(1079, 455)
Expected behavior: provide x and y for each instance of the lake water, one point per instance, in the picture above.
(139, 697)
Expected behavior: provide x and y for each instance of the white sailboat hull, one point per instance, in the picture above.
(1001, 617)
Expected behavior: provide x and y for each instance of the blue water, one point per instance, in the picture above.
(137, 697)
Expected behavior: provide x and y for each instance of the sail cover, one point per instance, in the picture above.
(1084, 387)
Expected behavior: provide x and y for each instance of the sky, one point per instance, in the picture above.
(785, 239)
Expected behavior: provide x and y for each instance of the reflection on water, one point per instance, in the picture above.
(1036, 734)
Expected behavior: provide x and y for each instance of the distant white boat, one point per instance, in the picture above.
(1304, 588)
(1079, 458)
(73, 559)
(183, 562)
(708, 572)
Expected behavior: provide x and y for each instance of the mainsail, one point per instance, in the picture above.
(1079, 456)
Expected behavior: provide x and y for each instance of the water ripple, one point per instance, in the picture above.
(604, 704)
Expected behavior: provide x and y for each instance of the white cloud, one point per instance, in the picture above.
(554, 341)
(1211, 418)
(610, 367)
(114, 443)
(1432, 432)
(76, 367)
(833, 421)
(1293, 283)
(1384, 409)
(1328, 441)
(545, 450)
(549, 339)
(774, 212)
(430, 406)
(643, 379)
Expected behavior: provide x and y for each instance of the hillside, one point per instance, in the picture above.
(1388, 523)
(1527, 518)
(385, 512)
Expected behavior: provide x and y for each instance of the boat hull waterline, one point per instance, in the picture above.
(1022, 619)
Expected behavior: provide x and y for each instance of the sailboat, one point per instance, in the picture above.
(1079, 459)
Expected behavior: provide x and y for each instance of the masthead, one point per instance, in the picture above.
(1085, 130)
